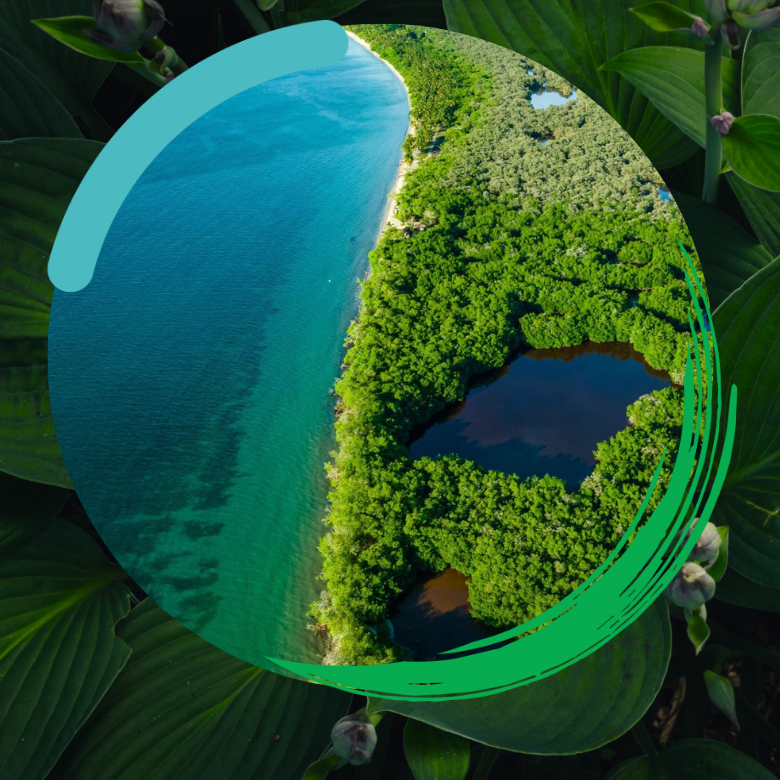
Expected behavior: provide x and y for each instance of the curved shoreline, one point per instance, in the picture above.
(389, 214)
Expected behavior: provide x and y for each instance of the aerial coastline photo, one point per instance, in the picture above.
(414, 351)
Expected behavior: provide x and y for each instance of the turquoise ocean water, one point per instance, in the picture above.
(190, 380)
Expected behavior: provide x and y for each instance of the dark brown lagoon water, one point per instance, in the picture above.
(435, 617)
(545, 412)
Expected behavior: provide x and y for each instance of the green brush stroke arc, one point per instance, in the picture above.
(161, 118)
(621, 589)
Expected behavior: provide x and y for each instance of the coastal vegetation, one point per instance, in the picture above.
(506, 245)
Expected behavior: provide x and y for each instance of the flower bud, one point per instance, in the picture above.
(354, 738)
(125, 25)
(730, 33)
(699, 28)
(691, 587)
(757, 20)
(716, 9)
(722, 122)
(706, 550)
(748, 6)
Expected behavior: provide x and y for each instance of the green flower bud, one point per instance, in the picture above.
(125, 25)
(758, 21)
(691, 587)
(354, 738)
(748, 6)
(717, 10)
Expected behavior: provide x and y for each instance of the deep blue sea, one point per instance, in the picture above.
(190, 380)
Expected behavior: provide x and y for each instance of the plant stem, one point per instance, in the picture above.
(713, 99)
(144, 72)
(252, 14)
(175, 63)
(643, 738)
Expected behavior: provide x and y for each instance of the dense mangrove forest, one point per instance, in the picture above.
(530, 229)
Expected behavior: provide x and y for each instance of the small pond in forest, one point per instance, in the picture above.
(434, 617)
(549, 97)
(543, 413)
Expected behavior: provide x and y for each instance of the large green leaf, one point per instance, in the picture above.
(27, 108)
(580, 708)
(26, 507)
(427, 13)
(752, 148)
(313, 10)
(59, 602)
(728, 255)
(761, 72)
(739, 590)
(183, 708)
(38, 178)
(72, 78)
(748, 328)
(434, 754)
(762, 209)
(673, 79)
(575, 38)
(694, 759)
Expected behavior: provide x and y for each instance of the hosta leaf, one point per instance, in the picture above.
(59, 602)
(68, 30)
(728, 255)
(183, 708)
(673, 79)
(739, 590)
(763, 211)
(27, 108)
(580, 708)
(71, 77)
(748, 328)
(434, 754)
(761, 72)
(314, 10)
(575, 38)
(426, 13)
(694, 759)
(25, 507)
(38, 178)
(752, 148)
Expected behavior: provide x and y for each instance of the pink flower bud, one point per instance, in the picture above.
(722, 122)
(699, 28)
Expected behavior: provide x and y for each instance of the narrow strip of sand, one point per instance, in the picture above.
(389, 214)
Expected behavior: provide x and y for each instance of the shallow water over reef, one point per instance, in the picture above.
(545, 412)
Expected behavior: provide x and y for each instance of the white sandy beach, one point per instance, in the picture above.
(389, 216)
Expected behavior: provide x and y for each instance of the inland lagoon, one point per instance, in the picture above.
(545, 412)
(197, 424)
